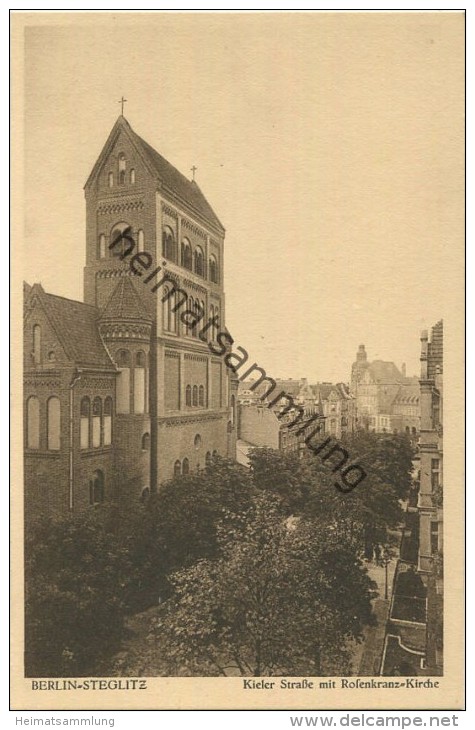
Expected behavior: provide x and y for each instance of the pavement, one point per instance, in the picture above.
(368, 654)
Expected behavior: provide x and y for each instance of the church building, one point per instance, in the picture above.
(125, 390)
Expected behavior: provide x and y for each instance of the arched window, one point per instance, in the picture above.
(111, 179)
(212, 328)
(108, 421)
(201, 396)
(121, 240)
(96, 422)
(123, 382)
(188, 395)
(33, 422)
(84, 425)
(166, 309)
(96, 488)
(102, 246)
(54, 423)
(186, 255)
(132, 176)
(190, 308)
(168, 244)
(195, 395)
(122, 166)
(140, 240)
(139, 383)
(177, 468)
(146, 442)
(199, 261)
(197, 441)
(213, 269)
(208, 458)
(37, 344)
(186, 466)
(172, 312)
(215, 453)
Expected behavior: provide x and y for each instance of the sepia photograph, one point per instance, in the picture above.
(239, 285)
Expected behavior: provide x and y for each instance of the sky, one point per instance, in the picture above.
(330, 146)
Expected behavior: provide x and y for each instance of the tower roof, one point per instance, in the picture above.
(173, 181)
(125, 303)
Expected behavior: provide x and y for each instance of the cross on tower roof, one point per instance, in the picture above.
(193, 170)
(122, 102)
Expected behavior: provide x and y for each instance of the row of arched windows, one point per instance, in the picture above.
(193, 260)
(122, 177)
(121, 239)
(195, 396)
(183, 467)
(53, 423)
(172, 308)
(132, 383)
(95, 423)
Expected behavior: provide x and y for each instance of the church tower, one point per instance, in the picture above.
(140, 209)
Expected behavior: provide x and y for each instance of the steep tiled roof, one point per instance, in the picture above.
(187, 190)
(75, 324)
(125, 303)
(385, 372)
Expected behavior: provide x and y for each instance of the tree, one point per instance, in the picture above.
(185, 512)
(285, 596)
(76, 584)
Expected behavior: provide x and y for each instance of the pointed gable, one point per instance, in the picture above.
(173, 182)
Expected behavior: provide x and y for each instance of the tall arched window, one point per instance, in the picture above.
(190, 308)
(96, 487)
(96, 422)
(199, 261)
(121, 240)
(186, 466)
(201, 396)
(188, 395)
(146, 442)
(122, 166)
(169, 312)
(108, 421)
(213, 269)
(111, 179)
(195, 395)
(123, 382)
(168, 244)
(102, 246)
(177, 468)
(132, 176)
(139, 383)
(84, 423)
(212, 328)
(54, 423)
(140, 241)
(33, 422)
(186, 254)
(37, 344)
